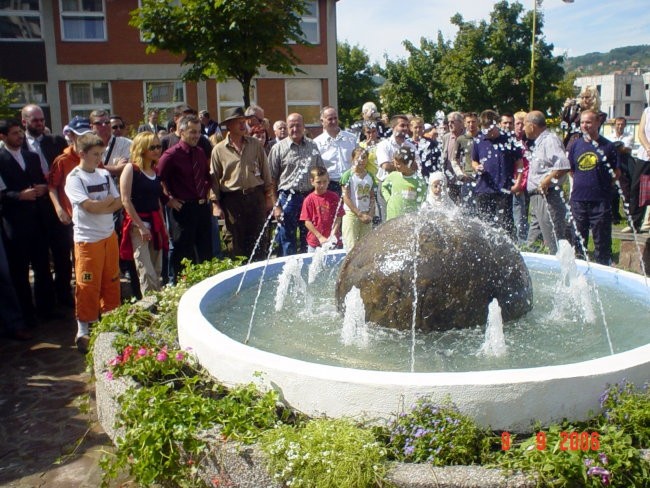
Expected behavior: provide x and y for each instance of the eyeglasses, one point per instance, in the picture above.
(115, 127)
(104, 122)
(155, 147)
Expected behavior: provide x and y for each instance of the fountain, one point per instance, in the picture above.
(501, 395)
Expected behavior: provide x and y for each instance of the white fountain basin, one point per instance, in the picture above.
(510, 399)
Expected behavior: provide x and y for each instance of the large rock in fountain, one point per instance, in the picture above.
(462, 264)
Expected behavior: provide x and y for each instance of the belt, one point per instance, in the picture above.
(245, 191)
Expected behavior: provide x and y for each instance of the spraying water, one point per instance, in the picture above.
(494, 344)
(355, 329)
(290, 280)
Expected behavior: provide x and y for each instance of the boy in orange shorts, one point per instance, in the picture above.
(94, 199)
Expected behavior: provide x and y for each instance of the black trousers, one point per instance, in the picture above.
(190, 230)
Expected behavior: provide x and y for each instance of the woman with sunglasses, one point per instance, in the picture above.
(143, 234)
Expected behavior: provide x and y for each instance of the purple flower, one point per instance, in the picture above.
(142, 352)
(408, 450)
(588, 462)
(603, 458)
(597, 471)
(419, 433)
(180, 356)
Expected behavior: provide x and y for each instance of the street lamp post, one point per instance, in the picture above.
(532, 50)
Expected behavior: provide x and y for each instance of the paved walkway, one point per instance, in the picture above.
(49, 436)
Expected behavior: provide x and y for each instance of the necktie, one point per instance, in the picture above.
(36, 147)
(198, 170)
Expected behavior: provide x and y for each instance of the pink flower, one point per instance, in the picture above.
(109, 375)
(179, 356)
(162, 355)
(115, 361)
(142, 352)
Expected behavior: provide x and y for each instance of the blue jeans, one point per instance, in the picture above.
(520, 214)
(286, 238)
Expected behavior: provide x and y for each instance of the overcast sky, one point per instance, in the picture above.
(380, 26)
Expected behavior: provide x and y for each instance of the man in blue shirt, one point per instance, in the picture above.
(594, 166)
(498, 164)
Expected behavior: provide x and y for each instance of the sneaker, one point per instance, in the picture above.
(82, 343)
(626, 230)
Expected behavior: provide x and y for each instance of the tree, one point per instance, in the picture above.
(486, 66)
(355, 83)
(8, 96)
(224, 38)
(413, 84)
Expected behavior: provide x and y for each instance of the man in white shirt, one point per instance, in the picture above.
(386, 149)
(548, 167)
(118, 149)
(335, 146)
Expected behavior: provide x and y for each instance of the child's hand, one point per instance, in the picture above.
(365, 218)
(322, 239)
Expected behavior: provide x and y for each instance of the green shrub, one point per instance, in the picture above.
(628, 408)
(436, 434)
(325, 453)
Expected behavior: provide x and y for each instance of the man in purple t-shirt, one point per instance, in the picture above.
(593, 160)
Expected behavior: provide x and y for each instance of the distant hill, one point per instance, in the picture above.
(625, 59)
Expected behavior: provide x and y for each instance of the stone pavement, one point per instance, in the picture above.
(49, 435)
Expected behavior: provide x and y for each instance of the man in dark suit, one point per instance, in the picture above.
(58, 235)
(152, 122)
(24, 216)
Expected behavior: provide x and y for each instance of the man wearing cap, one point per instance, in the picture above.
(185, 173)
(24, 219)
(242, 186)
(290, 161)
(61, 167)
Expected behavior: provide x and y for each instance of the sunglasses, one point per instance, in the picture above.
(115, 127)
(155, 147)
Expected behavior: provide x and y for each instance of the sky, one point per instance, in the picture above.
(380, 26)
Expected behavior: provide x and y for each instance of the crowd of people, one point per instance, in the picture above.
(140, 206)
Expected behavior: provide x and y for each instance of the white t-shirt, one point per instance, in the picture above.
(359, 190)
(80, 186)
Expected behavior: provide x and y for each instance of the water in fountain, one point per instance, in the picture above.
(290, 281)
(494, 344)
(355, 328)
(573, 293)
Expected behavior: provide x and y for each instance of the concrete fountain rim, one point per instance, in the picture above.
(494, 398)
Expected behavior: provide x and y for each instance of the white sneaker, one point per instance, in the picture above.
(626, 230)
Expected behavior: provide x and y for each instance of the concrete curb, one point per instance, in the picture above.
(243, 466)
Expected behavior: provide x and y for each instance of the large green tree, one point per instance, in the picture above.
(224, 39)
(355, 81)
(486, 66)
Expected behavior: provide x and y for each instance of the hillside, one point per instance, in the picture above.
(626, 59)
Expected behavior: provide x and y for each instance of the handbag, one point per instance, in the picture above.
(644, 191)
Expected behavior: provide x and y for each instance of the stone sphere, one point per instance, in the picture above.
(456, 264)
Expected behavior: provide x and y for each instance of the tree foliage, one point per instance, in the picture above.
(487, 65)
(224, 39)
(8, 95)
(355, 83)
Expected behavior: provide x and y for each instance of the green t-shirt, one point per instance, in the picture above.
(403, 194)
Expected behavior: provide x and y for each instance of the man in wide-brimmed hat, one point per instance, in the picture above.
(243, 191)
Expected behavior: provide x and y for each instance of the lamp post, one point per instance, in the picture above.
(532, 50)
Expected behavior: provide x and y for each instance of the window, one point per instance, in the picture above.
(87, 96)
(30, 93)
(83, 20)
(309, 22)
(163, 95)
(20, 19)
(627, 110)
(304, 97)
(230, 94)
(628, 89)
